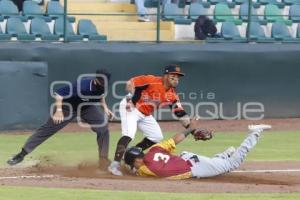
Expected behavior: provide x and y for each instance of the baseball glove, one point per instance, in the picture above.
(201, 134)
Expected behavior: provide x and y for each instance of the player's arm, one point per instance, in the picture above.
(58, 116)
(107, 111)
(135, 87)
(179, 137)
(60, 94)
(180, 113)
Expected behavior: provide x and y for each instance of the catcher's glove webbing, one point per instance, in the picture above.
(201, 134)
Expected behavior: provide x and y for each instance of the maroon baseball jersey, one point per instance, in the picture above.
(160, 162)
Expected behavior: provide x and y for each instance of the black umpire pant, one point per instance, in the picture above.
(89, 114)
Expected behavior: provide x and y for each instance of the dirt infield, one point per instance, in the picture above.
(89, 176)
(246, 180)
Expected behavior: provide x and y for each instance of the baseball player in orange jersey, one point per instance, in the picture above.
(147, 93)
(160, 162)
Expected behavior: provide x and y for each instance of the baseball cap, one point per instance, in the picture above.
(173, 69)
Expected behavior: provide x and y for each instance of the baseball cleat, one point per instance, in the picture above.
(15, 160)
(257, 129)
(260, 127)
(114, 168)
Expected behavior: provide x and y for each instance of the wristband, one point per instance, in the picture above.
(59, 109)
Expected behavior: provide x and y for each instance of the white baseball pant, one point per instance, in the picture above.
(131, 120)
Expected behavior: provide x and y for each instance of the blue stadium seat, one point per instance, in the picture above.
(87, 29)
(240, 2)
(229, 31)
(4, 36)
(256, 31)
(280, 31)
(40, 28)
(8, 8)
(197, 9)
(16, 28)
(205, 4)
(274, 2)
(294, 13)
(215, 2)
(55, 10)
(244, 13)
(31, 9)
(172, 13)
(59, 30)
(291, 2)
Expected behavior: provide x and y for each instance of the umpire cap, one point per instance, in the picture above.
(131, 154)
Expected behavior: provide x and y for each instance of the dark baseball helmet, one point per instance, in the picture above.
(131, 154)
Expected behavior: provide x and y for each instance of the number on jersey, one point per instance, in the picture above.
(161, 156)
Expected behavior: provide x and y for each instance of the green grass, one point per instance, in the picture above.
(25, 193)
(71, 149)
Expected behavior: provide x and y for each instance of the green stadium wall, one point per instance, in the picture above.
(223, 81)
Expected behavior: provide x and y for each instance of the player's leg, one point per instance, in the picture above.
(152, 131)
(208, 167)
(42, 134)
(129, 127)
(99, 124)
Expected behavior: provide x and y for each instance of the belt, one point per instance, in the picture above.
(193, 160)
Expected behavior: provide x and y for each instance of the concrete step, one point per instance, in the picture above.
(99, 8)
(133, 25)
(110, 18)
(85, 1)
(137, 35)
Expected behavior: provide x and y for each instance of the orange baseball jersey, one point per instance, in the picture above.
(160, 162)
(152, 94)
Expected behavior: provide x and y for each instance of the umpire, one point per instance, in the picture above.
(82, 98)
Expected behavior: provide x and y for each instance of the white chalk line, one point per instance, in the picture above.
(24, 177)
(237, 171)
(266, 170)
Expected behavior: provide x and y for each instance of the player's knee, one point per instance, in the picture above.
(157, 138)
(100, 129)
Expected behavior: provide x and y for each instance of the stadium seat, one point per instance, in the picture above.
(151, 3)
(8, 8)
(16, 28)
(87, 29)
(55, 10)
(256, 31)
(274, 14)
(31, 9)
(229, 31)
(280, 31)
(197, 9)
(294, 13)
(243, 13)
(205, 4)
(40, 28)
(274, 2)
(4, 36)
(291, 2)
(214, 2)
(172, 13)
(223, 13)
(59, 30)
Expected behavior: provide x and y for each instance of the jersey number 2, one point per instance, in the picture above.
(160, 156)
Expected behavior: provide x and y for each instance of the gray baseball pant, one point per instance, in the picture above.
(89, 114)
